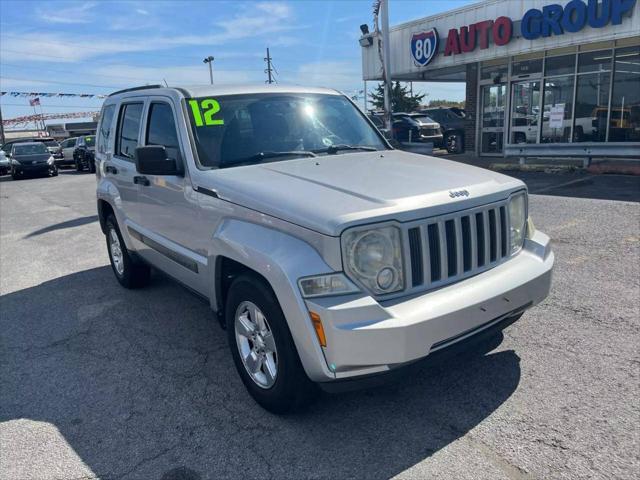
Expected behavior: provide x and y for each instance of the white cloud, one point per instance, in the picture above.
(76, 14)
(142, 11)
(73, 48)
(339, 75)
(177, 75)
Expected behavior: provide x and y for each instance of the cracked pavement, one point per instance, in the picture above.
(100, 382)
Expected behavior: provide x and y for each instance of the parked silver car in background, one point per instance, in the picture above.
(68, 146)
(331, 258)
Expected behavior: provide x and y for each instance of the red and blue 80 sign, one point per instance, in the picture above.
(424, 46)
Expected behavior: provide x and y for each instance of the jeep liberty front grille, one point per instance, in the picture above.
(446, 249)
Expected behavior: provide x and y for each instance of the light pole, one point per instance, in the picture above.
(209, 60)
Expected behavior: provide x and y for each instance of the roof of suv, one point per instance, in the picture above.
(213, 90)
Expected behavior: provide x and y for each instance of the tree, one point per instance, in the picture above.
(401, 98)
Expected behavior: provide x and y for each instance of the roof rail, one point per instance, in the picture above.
(133, 89)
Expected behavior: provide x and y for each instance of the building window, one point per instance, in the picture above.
(624, 125)
(492, 70)
(563, 65)
(599, 61)
(557, 110)
(592, 107)
(526, 67)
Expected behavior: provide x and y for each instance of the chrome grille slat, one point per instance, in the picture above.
(444, 260)
(455, 246)
(474, 242)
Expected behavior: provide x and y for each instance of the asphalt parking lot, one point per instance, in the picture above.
(100, 382)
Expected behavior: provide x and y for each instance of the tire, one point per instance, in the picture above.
(129, 272)
(92, 166)
(578, 135)
(78, 166)
(14, 175)
(453, 141)
(289, 389)
(520, 138)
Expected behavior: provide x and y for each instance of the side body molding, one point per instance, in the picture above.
(282, 260)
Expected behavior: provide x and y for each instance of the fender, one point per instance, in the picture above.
(282, 259)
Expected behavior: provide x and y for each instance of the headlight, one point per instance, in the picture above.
(325, 285)
(374, 258)
(50, 160)
(517, 220)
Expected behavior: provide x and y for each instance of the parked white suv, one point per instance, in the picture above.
(331, 258)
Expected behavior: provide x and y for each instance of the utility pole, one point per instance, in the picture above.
(386, 61)
(268, 69)
(209, 60)
(1, 129)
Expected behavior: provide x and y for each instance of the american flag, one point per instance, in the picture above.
(34, 102)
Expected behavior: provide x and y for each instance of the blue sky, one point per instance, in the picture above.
(98, 47)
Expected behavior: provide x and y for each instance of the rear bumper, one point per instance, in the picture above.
(367, 337)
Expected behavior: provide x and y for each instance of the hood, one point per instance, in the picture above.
(330, 193)
(28, 159)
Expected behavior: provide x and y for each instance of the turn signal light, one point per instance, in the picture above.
(317, 325)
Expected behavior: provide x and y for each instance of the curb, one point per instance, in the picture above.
(532, 167)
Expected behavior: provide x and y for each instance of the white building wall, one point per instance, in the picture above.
(403, 66)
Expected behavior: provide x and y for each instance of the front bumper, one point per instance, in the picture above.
(435, 139)
(366, 337)
(32, 169)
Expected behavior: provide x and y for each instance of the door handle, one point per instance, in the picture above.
(141, 180)
(111, 169)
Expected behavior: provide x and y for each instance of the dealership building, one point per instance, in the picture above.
(542, 78)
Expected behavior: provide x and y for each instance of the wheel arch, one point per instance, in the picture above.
(104, 210)
(280, 260)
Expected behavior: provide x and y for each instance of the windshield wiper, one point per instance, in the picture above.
(258, 157)
(291, 153)
(336, 148)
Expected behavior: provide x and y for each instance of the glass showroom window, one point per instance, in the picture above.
(624, 125)
(592, 107)
(557, 109)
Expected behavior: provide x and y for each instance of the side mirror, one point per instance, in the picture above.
(153, 160)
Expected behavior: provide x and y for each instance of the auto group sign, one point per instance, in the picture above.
(552, 19)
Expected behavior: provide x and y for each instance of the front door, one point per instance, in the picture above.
(167, 208)
(525, 109)
(493, 118)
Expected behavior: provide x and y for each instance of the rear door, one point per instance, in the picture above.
(120, 168)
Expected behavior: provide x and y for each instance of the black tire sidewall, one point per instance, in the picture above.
(289, 388)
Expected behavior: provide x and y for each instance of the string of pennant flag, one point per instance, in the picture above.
(46, 116)
(51, 94)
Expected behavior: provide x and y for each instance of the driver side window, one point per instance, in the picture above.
(161, 129)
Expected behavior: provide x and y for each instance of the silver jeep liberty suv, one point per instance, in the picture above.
(330, 258)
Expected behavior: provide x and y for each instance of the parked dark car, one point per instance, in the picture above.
(84, 154)
(416, 127)
(31, 158)
(452, 120)
(52, 145)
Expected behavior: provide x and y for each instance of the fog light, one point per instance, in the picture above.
(385, 278)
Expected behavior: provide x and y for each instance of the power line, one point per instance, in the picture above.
(58, 82)
(49, 106)
(105, 50)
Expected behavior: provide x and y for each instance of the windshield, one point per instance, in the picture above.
(240, 129)
(31, 149)
(90, 141)
(51, 143)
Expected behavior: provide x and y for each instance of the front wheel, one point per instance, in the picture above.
(129, 272)
(263, 349)
(78, 166)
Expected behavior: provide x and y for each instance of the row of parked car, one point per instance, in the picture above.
(442, 126)
(38, 156)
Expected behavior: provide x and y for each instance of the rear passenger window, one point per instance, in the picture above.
(161, 129)
(128, 129)
(104, 131)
